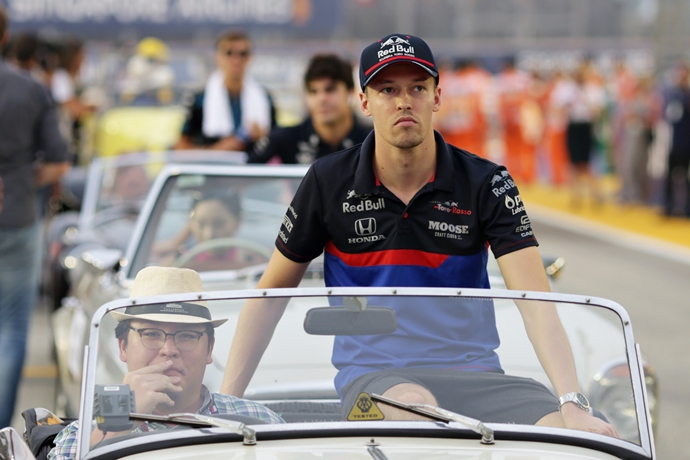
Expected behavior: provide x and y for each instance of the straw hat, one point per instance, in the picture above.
(168, 280)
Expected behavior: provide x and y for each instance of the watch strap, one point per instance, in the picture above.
(573, 397)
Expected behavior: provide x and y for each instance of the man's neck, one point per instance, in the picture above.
(334, 133)
(234, 85)
(405, 171)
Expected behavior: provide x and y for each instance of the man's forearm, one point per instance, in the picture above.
(255, 327)
(257, 322)
(551, 344)
(524, 270)
(50, 173)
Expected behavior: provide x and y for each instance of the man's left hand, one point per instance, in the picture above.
(578, 419)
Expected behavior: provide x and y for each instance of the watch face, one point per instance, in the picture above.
(582, 400)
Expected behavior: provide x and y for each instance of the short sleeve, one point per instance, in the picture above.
(302, 234)
(193, 122)
(503, 218)
(49, 141)
(265, 148)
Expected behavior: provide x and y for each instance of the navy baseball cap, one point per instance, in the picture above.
(394, 49)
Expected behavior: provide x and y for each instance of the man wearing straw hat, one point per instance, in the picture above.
(166, 348)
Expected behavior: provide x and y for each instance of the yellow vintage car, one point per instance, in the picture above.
(137, 129)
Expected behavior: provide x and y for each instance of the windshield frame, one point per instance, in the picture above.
(503, 431)
(98, 166)
(240, 171)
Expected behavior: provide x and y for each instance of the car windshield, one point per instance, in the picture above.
(212, 222)
(123, 181)
(329, 340)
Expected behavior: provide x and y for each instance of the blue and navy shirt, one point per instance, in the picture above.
(439, 239)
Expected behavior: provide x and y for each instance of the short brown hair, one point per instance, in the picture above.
(4, 21)
(329, 66)
(26, 47)
(69, 52)
(232, 36)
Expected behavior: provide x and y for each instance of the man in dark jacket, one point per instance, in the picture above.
(331, 125)
(32, 154)
(677, 113)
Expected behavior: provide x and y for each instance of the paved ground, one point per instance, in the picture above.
(38, 385)
(610, 217)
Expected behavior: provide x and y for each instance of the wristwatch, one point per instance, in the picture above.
(574, 397)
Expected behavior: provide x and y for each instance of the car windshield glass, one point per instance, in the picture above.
(125, 180)
(214, 222)
(471, 351)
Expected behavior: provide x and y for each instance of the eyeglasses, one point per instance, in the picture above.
(154, 339)
(242, 54)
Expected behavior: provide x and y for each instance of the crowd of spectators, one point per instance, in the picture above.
(570, 127)
(565, 127)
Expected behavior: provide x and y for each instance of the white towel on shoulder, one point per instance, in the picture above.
(218, 120)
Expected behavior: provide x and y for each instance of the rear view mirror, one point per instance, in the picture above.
(341, 321)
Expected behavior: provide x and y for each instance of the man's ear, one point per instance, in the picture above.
(209, 356)
(364, 104)
(218, 60)
(437, 99)
(123, 350)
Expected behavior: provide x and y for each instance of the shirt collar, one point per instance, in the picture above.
(206, 404)
(354, 130)
(365, 179)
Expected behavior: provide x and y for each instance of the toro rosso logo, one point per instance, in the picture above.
(451, 207)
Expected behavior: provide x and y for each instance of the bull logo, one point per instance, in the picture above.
(394, 40)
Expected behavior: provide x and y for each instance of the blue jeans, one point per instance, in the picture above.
(19, 262)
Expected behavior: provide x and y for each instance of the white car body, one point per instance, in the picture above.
(295, 373)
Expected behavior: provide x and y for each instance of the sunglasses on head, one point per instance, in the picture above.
(243, 53)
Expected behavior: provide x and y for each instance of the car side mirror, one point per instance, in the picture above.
(553, 266)
(344, 321)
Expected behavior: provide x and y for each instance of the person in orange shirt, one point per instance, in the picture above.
(462, 120)
(516, 113)
(555, 126)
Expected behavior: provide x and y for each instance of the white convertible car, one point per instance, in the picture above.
(295, 380)
(169, 231)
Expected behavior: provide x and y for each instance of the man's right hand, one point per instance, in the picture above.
(230, 143)
(151, 386)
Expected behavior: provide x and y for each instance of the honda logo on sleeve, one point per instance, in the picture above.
(366, 226)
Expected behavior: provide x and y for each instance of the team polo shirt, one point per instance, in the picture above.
(302, 144)
(439, 239)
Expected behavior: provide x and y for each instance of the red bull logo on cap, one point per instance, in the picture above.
(395, 46)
